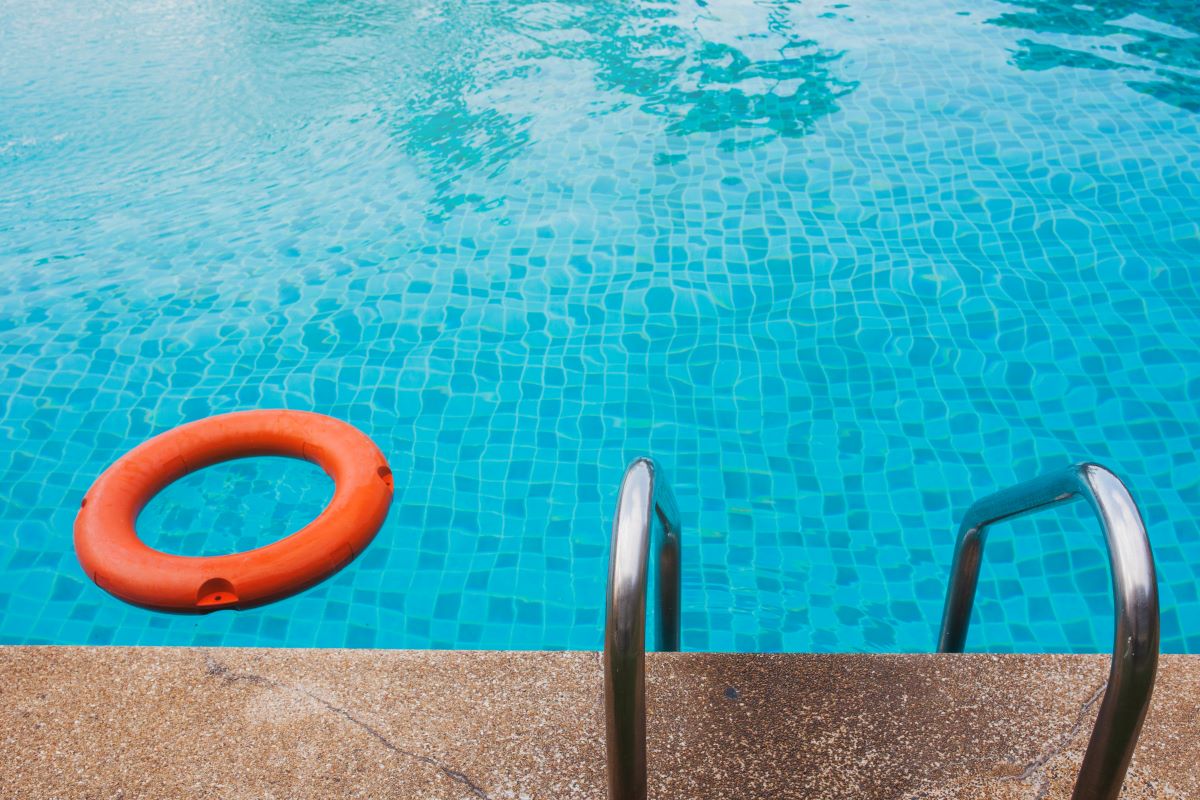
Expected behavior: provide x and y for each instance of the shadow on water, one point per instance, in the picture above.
(460, 86)
(1156, 43)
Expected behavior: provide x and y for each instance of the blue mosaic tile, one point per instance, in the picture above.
(841, 267)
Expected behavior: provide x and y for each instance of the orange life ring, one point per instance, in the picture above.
(112, 555)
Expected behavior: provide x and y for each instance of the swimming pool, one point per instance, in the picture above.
(840, 267)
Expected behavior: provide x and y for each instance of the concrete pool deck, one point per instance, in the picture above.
(116, 722)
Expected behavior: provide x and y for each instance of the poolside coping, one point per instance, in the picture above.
(115, 722)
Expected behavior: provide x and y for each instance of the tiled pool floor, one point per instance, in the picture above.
(840, 267)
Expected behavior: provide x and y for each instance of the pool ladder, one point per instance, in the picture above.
(647, 519)
(647, 524)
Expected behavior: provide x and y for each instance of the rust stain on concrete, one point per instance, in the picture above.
(251, 723)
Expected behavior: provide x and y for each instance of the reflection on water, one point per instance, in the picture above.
(1156, 43)
(711, 68)
(491, 73)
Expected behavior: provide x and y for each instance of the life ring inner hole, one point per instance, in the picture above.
(234, 506)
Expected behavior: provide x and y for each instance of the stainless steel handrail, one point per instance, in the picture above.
(1135, 589)
(645, 498)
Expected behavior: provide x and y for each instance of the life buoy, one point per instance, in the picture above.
(114, 557)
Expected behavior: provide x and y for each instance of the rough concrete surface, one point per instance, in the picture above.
(258, 723)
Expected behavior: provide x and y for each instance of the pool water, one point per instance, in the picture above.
(841, 267)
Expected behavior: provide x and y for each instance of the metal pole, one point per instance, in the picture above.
(1135, 591)
(644, 500)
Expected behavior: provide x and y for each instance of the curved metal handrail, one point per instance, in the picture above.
(1135, 589)
(644, 498)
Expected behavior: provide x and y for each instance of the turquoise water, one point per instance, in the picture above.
(840, 267)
